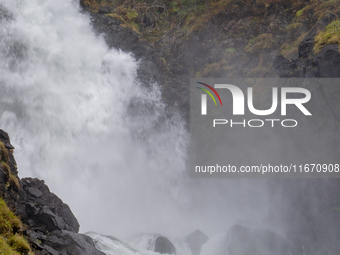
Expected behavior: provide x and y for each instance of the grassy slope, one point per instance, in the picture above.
(12, 242)
(168, 24)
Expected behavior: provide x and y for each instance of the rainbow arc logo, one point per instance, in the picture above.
(204, 97)
(208, 92)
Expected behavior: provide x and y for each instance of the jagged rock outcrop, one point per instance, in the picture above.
(42, 209)
(9, 180)
(195, 240)
(5, 139)
(51, 227)
(62, 242)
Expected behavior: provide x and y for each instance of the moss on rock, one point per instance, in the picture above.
(330, 35)
(260, 43)
(11, 241)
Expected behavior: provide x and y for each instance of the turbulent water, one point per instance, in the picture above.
(80, 119)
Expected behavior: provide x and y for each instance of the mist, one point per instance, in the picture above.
(80, 119)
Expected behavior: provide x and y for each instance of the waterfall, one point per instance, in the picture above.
(80, 119)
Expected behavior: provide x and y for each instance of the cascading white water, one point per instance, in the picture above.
(65, 100)
(80, 120)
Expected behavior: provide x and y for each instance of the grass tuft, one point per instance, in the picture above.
(5, 248)
(3, 153)
(19, 243)
(9, 223)
(330, 35)
(11, 241)
(12, 180)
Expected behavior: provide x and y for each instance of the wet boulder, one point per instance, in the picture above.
(195, 240)
(164, 246)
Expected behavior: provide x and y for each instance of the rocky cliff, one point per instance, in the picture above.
(48, 224)
(177, 40)
(223, 39)
(242, 39)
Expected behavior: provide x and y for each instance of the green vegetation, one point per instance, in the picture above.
(258, 72)
(212, 70)
(12, 180)
(260, 43)
(188, 15)
(228, 51)
(171, 26)
(299, 13)
(163, 60)
(303, 13)
(330, 35)
(128, 17)
(311, 11)
(9, 223)
(290, 49)
(5, 248)
(3, 153)
(11, 241)
(330, 5)
(19, 243)
(294, 27)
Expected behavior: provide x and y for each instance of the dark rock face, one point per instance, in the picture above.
(51, 226)
(328, 61)
(247, 241)
(9, 193)
(104, 10)
(195, 240)
(5, 139)
(63, 242)
(164, 246)
(43, 209)
(325, 64)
